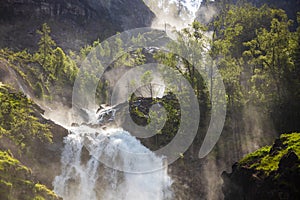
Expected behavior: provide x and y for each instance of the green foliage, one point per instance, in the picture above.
(164, 123)
(136, 58)
(50, 65)
(39, 188)
(263, 161)
(18, 119)
(147, 77)
(256, 54)
(252, 157)
(270, 53)
(236, 25)
(192, 43)
(39, 90)
(45, 52)
(16, 181)
(58, 69)
(7, 160)
(38, 198)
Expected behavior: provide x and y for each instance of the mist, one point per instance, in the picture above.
(174, 15)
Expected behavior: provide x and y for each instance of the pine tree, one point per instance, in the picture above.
(46, 49)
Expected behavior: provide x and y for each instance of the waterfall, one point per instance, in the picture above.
(174, 14)
(126, 177)
(109, 163)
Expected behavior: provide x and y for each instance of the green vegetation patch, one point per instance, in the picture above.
(266, 161)
(16, 181)
(18, 119)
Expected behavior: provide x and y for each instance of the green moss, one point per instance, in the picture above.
(263, 161)
(7, 184)
(7, 160)
(16, 180)
(18, 119)
(43, 189)
(253, 157)
(38, 198)
(292, 141)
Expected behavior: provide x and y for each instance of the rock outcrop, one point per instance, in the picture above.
(269, 173)
(74, 23)
(35, 142)
(17, 181)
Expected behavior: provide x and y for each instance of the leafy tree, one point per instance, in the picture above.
(236, 25)
(59, 62)
(192, 43)
(270, 53)
(46, 49)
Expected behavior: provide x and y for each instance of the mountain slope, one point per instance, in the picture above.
(74, 22)
(30, 146)
(17, 182)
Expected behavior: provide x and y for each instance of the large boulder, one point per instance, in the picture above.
(269, 173)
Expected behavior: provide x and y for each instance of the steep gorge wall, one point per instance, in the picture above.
(74, 23)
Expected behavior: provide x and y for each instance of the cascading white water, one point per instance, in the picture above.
(84, 177)
(177, 14)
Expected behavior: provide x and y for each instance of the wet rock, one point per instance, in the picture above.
(74, 124)
(249, 183)
(277, 146)
(289, 160)
(74, 23)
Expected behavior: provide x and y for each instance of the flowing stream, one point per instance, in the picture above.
(128, 177)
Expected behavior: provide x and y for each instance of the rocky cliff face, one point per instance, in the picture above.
(73, 22)
(24, 134)
(269, 173)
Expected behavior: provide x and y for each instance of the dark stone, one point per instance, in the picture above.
(277, 146)
(74, 124)
(74, 23)
(289, 160)
(251, 184)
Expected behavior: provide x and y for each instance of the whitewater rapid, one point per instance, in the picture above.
(104, 164)
(174, 14)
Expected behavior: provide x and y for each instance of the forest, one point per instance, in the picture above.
(256, 50)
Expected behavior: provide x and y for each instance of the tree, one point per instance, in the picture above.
(147, 88)
(46, 49)
(192, 43)
(59, 62)
(270, 55)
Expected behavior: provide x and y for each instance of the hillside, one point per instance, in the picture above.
(17, 182)
(75, 23)
(30, 148)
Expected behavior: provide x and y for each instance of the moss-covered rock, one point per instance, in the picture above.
(146, 110)
(272, 172)
(19, 119)
(17, 182)
(34, 141)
